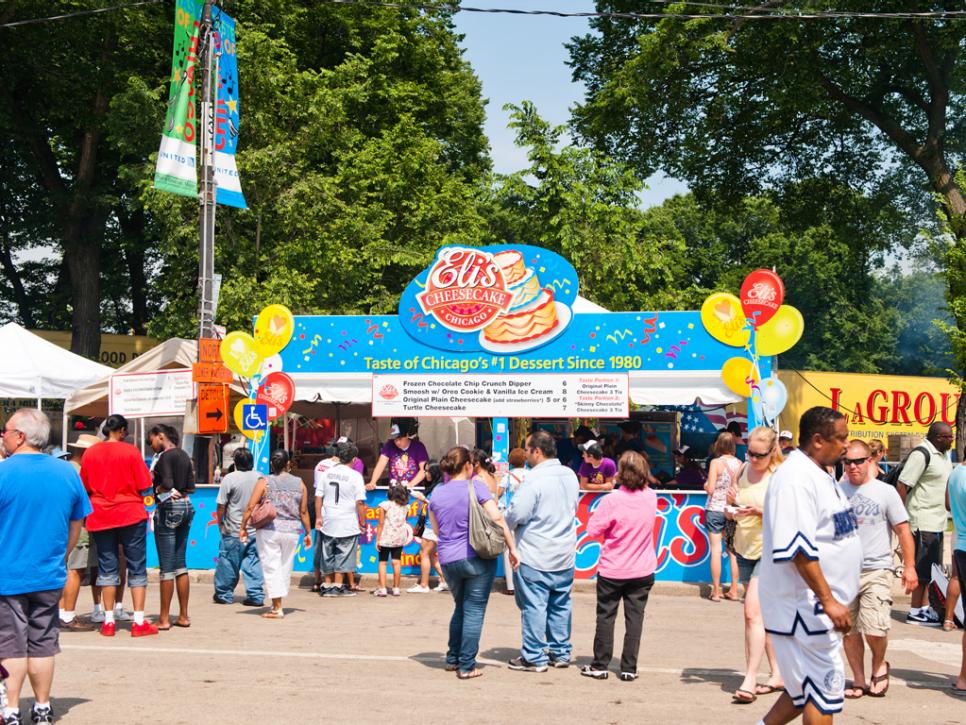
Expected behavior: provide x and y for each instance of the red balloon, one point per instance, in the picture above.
(762, 293)
(277, 391)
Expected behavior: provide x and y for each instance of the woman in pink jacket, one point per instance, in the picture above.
(624, 520)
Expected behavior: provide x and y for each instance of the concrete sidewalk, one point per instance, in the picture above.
(362, 659)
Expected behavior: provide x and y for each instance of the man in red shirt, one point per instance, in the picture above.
(117, 480)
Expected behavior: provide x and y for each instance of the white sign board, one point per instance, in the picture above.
(538, 395)
(150, 395)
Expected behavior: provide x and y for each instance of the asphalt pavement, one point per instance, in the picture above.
(363, 659)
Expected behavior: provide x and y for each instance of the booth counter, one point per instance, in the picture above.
(683, 550)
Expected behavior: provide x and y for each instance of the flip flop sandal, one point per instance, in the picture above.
(357, 588)
(861, 690)
(737, 700)
(767, 689)
(714, 598)
(471, 675)
(876, 679)
(957, 691)
(163, 629)
(273, 614)
(184, 626)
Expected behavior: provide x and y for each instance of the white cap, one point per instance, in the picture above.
(785, 434)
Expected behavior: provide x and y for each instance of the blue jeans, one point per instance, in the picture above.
(235, 557)
(469, 581)
(172, 522)
(132, 540)
(544, 599)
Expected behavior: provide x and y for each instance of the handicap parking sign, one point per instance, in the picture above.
(255, 416)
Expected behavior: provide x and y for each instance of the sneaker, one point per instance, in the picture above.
(379, 593)
(442, 587)
(345, 591)
(143, 630)
(120, 615)
(97, 617)
(589, 671)
(395, 591)
(330, 592)
(108, 629)
(216, 600)
(628, 676)
(75, 625)
(559, 664)
(418, 589)
(520, 664)
(927, 618)
(252, 603)
(42, 714)
(13, 718)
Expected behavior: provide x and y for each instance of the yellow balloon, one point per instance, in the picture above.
(273, 329)
(237, 416)
(723, 319)
(781, 332)
(240, 355)
(736, 373)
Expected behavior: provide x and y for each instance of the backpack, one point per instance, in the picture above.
(892, 477)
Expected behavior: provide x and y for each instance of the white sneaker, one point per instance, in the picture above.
(442, 587)
(121, 615)
(418, 589)
(97, 617)
(395, 591)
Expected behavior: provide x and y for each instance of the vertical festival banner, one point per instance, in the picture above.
(177, 156)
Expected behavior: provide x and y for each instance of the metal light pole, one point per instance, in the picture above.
(206, 197)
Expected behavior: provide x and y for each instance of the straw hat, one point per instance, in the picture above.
(84, 440)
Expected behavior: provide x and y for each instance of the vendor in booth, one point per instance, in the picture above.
(403, 457)
(689, 475)
(597, 472)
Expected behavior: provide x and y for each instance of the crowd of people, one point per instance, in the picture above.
(807, 533)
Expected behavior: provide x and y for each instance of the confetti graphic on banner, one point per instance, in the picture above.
(619, 335)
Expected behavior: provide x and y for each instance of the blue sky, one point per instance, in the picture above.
(522, 57)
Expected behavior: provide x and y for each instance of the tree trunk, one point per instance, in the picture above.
(12, 274)
(83, 257)
(132, 227)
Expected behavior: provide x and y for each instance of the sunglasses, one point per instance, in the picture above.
(854, 461)
(759, 456)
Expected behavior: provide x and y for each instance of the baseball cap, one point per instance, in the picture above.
(587, 446)
(681, 450)
(58, 452)
(786, 434)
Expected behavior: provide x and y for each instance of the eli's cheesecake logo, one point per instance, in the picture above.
(465, 290)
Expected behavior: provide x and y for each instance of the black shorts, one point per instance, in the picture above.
(929, 551)
(390, 551)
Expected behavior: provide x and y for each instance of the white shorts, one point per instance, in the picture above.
(429, 534)
(812, 669)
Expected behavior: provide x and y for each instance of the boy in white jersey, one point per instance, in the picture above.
(810, 567)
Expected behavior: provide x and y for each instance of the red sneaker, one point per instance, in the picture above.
(143, 630)
(108, 629)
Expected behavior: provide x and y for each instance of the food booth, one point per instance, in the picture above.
(487, 344)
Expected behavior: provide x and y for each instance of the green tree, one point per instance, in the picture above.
(736, 106)
(585, 207)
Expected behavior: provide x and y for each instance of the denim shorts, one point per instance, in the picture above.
(339, 554)
(747, 568)
(172, 521)
(714, 521)
(132, 539)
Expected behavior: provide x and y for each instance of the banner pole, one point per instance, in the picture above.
(206, 251)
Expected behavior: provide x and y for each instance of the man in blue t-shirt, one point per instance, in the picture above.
(42, 507)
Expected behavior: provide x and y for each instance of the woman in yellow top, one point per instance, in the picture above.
(763, 458)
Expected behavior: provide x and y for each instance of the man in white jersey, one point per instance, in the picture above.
(810, 567)
(340, 504)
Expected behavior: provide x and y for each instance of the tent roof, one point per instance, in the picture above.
(31, 367)
(173, 353)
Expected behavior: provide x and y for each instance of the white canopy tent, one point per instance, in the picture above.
(92, 400)
(33, 368)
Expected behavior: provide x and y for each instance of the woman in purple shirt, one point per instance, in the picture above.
(404, 457)
(469, 576)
